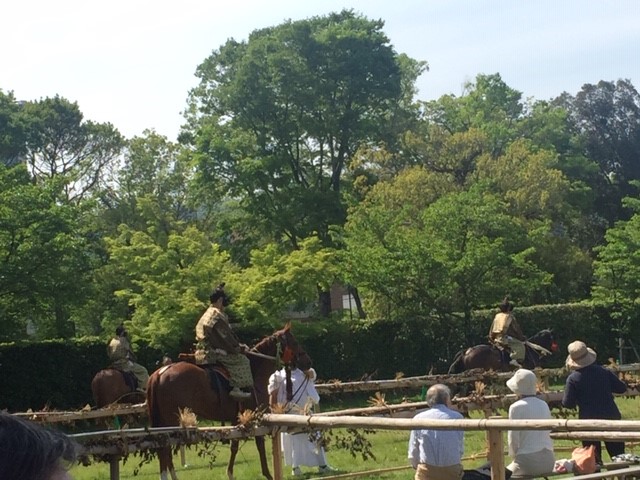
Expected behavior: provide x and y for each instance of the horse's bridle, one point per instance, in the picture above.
(287, 354)
(284, 353)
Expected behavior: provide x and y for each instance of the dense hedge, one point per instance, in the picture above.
(54, 373)
(58, 373)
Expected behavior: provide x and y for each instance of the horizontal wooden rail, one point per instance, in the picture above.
(382, 423)
(453, 379)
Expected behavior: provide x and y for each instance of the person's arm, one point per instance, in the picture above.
(617, 385)
(515, 331)
(414, 449)
(275, 380)
(225, 338)
(130, 355)
(513, 436)
(569, 398)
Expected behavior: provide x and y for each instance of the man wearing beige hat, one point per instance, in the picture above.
(590, 388)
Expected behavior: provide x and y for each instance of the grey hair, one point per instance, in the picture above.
(438, 394)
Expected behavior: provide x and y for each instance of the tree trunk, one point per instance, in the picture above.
(324, 302)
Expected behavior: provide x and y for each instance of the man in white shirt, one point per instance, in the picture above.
(437, 454)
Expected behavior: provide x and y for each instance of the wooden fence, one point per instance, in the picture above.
(116, 443)
(119, 442)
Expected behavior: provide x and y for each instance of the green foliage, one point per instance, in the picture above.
(277, 281)
(170, 282)
(60, 144)
(12, 130)
(462, 250)
(54, 373)
(617, 274)
(277, 119)
(46, 257)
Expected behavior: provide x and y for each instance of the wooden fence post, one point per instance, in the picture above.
(114, 467)
(276, 444)
(496, 452)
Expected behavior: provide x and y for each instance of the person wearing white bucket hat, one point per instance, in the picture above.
(590, 387)
(531, 450)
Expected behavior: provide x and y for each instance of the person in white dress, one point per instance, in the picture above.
(298, 449)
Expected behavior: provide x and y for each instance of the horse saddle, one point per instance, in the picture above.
(218, 375)
(129, 379)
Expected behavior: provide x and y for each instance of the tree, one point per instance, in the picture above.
(46, 263)
(277, 281)
(170, 281)
(276, 120)
(60, 143)
(12, 130)
(487, 104)
(606, 118)
(617, 271)
(151, 187)
(460, 251)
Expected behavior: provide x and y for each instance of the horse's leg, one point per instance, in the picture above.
(232, 458)
(166, 464)
(263, 457)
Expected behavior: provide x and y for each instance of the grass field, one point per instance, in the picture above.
(388, 447)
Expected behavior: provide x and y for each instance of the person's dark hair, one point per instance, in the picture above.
(506, 306)
(31, 452)
(120, 330)
(218, 293)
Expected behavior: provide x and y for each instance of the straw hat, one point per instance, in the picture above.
(523, 382)
(580, 355)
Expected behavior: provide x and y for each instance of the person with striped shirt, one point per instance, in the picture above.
(437, 454)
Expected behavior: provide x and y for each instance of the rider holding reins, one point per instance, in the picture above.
(505, 332)
(217, 343)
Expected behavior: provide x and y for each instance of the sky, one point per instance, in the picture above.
(131, 62)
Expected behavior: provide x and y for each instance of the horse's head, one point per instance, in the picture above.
(545, 338)
(291, 351)
(287, 347)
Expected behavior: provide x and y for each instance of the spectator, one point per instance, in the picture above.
(531, 450)
(437, 454)
(590, 387)
(298, 449)
(31, 452)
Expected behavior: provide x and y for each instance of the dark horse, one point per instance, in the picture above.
(489, 357)
(109, 386)
(184, 384)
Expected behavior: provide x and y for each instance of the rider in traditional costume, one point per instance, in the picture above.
(216, 343)
(122, 357)
(505, 332)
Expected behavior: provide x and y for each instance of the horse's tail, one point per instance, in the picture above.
(458, 363)
(152, 399)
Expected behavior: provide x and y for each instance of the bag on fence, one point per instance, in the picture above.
(584, 459)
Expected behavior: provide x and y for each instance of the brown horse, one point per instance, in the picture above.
(185, 384)
(489, 357)
(109, 386)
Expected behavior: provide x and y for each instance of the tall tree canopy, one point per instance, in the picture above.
(277, 119)
(61, 144)
(606, 119)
